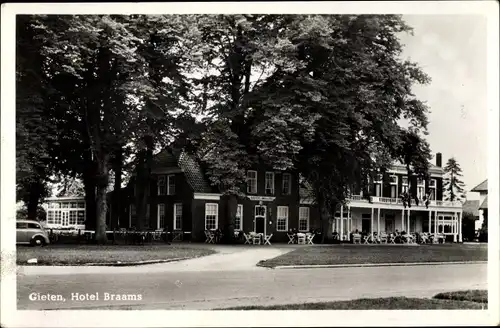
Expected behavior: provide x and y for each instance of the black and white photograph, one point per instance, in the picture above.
(221, 163)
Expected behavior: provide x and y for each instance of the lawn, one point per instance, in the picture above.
(84, 254)
(389, 303)
(364, 254)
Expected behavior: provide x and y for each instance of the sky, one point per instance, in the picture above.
(452, 51)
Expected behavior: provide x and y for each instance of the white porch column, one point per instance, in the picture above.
(408, 227)
(402, 220)
(453, 227)
(341, 222)
(378, 221)
(435, 223)
(460, 227)
(430, 215)
(348, 223)
(371, 224)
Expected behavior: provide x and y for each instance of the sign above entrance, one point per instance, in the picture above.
(262, 198)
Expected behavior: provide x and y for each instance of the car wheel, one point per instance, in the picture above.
(38, 241)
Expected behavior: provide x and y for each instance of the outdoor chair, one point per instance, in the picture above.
(256, 239)
(177, 235)
(291, 238)
(392, 238)
(367, 239)
(267, 239)
(210, 237)
(301, 238)
(248, 238)
(383, 237)
(309, 238)
(356, 238)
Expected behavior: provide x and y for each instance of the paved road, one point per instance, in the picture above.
(217, 281)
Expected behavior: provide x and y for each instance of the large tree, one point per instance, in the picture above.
(453, 186)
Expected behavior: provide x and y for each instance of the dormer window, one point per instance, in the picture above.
(432, 189)
(269, 183)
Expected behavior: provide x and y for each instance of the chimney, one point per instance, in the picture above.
(439, 161)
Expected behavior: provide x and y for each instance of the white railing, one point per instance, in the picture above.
(398, 201)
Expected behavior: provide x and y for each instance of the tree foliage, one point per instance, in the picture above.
(453, 186)
(322, 95)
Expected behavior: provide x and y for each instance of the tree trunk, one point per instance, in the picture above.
(34, 198)
(90, 196)
(101, 208)
(116, 210)
(232, 207)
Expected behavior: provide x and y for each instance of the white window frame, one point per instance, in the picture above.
(161, 184)
(216, 214)
(394, 184)
(158, 216)
(249, 189)
(405, 187)
(304, 217)
(280, 218)
(176, 205)
(239, 210)
(289, 191)
(434, 189)
(420, 187)
(270, 174)
(170, 177)
(377, 181)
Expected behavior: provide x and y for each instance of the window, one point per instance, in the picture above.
(81, 205)
(420, 188)
(303, 218)
(394, 186)
(72, 217)
(21, 225)
(252, 182)
(74, 204)
(404, 185)
(177, 216)
(432, 189)
(238, 221)
(260, 210)
(161, 185)
(57, 217)
(211, 216)
(50, 217)
(282, 219)
(160, 221)
(65, 205)
(33, 226)
(269, 183)
(287, 184)
(171, 185)
(81, 217)
(378, 185)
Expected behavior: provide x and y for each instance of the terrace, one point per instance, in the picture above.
(397, 203)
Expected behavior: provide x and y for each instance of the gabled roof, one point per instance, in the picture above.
(471, 206)
(188, 163)
(483, 186)
(484, 205)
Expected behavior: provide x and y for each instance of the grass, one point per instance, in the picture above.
(389, 303)
(365, 254)
(480, 296)
(84, 254)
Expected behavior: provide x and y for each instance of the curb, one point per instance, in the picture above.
(325, 266)
(113, 264)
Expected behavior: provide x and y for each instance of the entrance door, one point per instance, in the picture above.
(366, 225)
(259, 224)
(65, 218)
